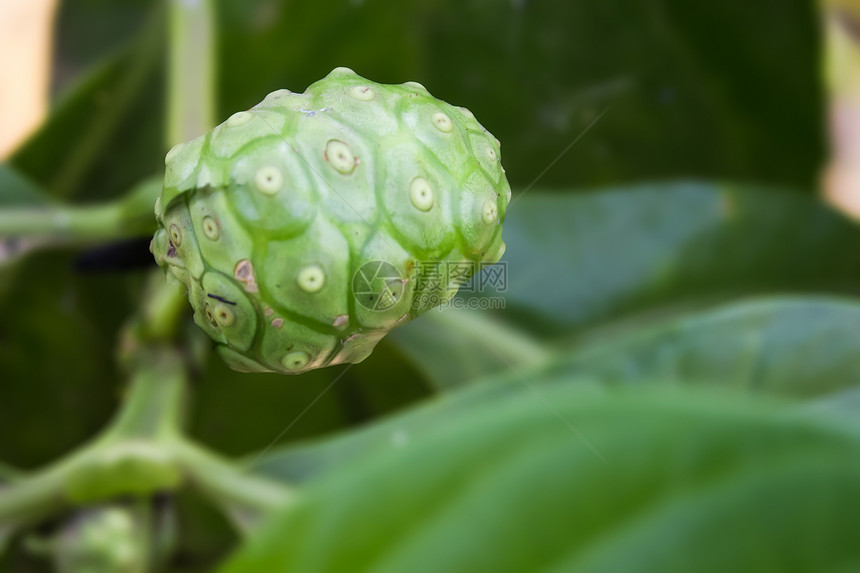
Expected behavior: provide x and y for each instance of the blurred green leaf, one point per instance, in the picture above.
(101, 136)
(745, 486)
(791, 346)
(844, 405)
(453, 346)
(687, 96)
(15, 189)
(578, 260)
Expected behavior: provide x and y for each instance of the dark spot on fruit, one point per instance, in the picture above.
(221, 299)
(171, 249)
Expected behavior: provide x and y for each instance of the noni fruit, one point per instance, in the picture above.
(312, 224)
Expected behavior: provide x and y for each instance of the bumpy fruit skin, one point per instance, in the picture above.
(312, 224)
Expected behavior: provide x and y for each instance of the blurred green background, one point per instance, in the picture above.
(699, 141)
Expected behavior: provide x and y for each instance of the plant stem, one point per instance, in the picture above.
(246, 498)
(155, 404)
(163, 308)
(128, 216)
(67, 223)
(191, 101)
(34, 497)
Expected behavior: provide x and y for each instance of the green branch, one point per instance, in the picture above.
(191, 88)
(143, 451)
(59, 223)
(245, 497)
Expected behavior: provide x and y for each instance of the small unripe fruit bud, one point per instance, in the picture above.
(306, 227)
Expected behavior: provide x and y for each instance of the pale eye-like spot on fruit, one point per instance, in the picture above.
(223, 315)
(362, 93)
(175, 235)
(421, 194)
(269, 180)
(239, 118)
(295, 360)
(489, 212)
(491, 154)
(277, 322)
(311, 278)
(442, 122)
(339, 155)
(211, 228)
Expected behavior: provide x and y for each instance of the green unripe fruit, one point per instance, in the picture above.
(312, 224)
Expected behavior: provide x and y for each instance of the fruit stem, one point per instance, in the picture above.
(191, 87)
(156, 399)
(163, 309)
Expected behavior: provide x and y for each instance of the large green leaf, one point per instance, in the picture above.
(789, 346)
(687, 98)
(585, 259)
(585, 481)
(577, 260)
